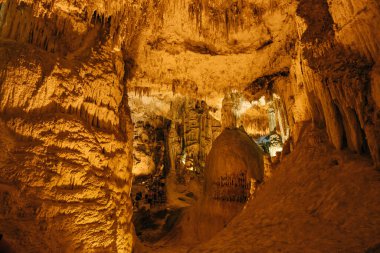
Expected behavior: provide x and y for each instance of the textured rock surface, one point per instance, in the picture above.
(65, 176)
(337, 48)
(203, 48)
(234, 162)
(65, 130)
(183, 127)
(318, 200)
(67, 69)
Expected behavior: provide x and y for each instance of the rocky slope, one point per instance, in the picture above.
(318, 200)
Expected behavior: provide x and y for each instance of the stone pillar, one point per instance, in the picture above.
(272, 120)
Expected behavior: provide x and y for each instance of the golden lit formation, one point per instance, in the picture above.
(173, 126)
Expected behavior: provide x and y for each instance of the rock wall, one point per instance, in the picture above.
(66, 132)
(149, 146)
(191, 135)
(338, 48)
(333, 79)
(186, 127)
(65, 178)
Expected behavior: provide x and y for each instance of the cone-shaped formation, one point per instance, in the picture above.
(234, 162)
(233, 152)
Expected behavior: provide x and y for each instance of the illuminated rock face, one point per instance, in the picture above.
(67, 68)
(65, 167)
(185, 129)
(336, 70)
(233, 164)
(333, 78)
(65, 129)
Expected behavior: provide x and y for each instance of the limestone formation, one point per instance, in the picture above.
(65, 129)
(95, 93)
(233, 162)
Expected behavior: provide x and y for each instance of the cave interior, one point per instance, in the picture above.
(189, 126)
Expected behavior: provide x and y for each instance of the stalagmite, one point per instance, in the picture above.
(232, 163)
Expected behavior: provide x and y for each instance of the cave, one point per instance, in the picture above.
(189, 126)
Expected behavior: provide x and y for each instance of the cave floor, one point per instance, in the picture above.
(317, 200)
